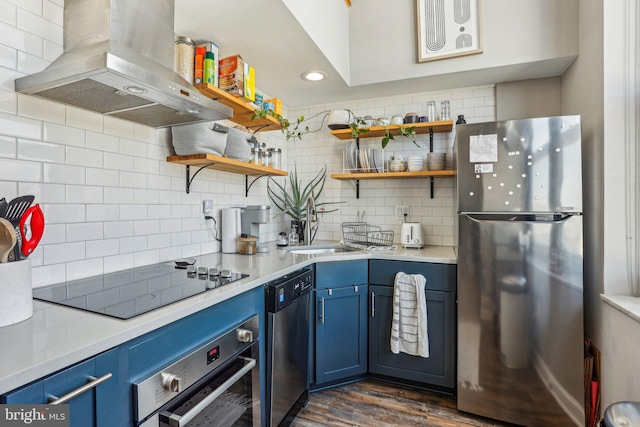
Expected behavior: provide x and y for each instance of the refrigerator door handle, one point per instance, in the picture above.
(537, 217)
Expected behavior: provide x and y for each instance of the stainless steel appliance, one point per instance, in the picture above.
(118, 60)
(287, 304)
(217, 384)
(129, 293)
(520, 271)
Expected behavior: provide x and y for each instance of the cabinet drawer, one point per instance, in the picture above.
(337, 274)
(440, 277)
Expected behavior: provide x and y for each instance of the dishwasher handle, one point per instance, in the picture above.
(93, 382)
(322, 310)
(182, 420)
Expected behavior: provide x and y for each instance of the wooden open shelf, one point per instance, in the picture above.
(225, 164)
(380, 131)
(242, 111)
(209, 161)
(402, 175)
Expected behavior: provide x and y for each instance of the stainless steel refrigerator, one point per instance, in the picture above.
(520, 271)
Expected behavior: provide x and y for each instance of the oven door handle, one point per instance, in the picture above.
(182, 420)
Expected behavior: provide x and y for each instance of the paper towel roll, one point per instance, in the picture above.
(16, 303)
(230, 230)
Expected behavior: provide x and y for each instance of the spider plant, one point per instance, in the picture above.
(293, 201)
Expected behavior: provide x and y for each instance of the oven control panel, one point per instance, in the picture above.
(159, 388)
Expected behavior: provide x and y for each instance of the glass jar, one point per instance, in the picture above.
(276, 158)
(184, 57)
(255, 157)
(431, 111)
(445, 111)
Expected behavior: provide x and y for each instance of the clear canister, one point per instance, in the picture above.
(184, 57)
(255, 157)
(431, 111)
(264, 157)
(445, 110)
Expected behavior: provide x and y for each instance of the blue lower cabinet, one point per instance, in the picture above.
(97, 406)
(340, 333)
(438, 368)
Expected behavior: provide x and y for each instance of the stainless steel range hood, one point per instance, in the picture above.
(118, 61)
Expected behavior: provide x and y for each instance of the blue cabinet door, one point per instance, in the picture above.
(95, 407)
(340, 333)
(438, 368)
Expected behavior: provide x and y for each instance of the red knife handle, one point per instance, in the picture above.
(37, 229)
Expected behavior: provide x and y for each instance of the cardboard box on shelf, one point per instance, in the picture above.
(232, 75)
(249, 83)
(212, 47)
(277, 105)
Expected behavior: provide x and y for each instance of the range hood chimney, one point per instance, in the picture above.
(118, 61)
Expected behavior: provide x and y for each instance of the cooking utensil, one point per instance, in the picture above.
(35, 217)
(15, 209)
(7, 239)
(3, 207)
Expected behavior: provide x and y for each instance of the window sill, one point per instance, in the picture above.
(627, 304)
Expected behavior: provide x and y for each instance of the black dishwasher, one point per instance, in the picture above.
(287, 306)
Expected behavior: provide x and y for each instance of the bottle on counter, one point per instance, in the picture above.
(461, 120)
(209, 68)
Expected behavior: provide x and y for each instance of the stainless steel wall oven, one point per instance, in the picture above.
(217, 384)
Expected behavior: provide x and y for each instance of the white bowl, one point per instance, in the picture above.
(415, 168)
(416, 158)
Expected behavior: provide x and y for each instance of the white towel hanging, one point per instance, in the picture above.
(409, 322)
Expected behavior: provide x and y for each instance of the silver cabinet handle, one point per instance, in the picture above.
(373, 304)
(93, 382)
(182, 420)
(322, 309)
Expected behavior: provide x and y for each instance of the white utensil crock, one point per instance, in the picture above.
(16, 293)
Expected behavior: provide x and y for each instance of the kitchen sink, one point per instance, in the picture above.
(319, 249)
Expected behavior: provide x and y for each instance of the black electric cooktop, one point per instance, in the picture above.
(129, 293)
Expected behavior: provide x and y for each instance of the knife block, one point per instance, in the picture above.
(16, 293)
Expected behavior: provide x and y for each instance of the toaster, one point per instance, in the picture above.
(411, 234)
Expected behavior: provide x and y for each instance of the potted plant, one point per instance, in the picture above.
(296, 130)
(292, 200)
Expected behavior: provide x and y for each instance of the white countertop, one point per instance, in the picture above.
(56, 336)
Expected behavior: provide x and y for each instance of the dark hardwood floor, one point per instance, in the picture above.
(373, 403)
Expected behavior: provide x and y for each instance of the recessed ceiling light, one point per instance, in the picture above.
(313, 76)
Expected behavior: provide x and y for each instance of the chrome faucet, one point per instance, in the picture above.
(312, 217)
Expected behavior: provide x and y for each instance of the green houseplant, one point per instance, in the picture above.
(292, 200)
(297, 129)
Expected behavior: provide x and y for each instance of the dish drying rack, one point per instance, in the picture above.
(361, 235)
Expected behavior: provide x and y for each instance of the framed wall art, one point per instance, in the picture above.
(448, 28)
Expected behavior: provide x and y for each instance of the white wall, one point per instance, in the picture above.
(384, 45)
(110, 199)
(378, 198)
(529, 98)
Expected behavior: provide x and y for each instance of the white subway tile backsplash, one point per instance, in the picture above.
(64, 214)
(48, 275)
(38, 108)
(133, 180)
(146, 257)
(83, 157)
(119, 162)
(117, 263)
(146, 165)
(103, 213)
(170, 225)
(52, 12)
(84, 231)
(146, 227)
(15, 170)
(8, 147)
(133, 244)
(133, 148)
(65, 252)
(117, 195)
(61, 134)
(8, 57)
(63, 174)
(84, 119)
(103, 248)
(115, 229)
(158, 241)
(8, 12)
(102, 142)
(21, 127)
(101, 177)
(84, 194)
(86, 268)
(133, 212)
(40, 151)
(181, 239)
(54, 233)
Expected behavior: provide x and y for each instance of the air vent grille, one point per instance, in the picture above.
(157, 116)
